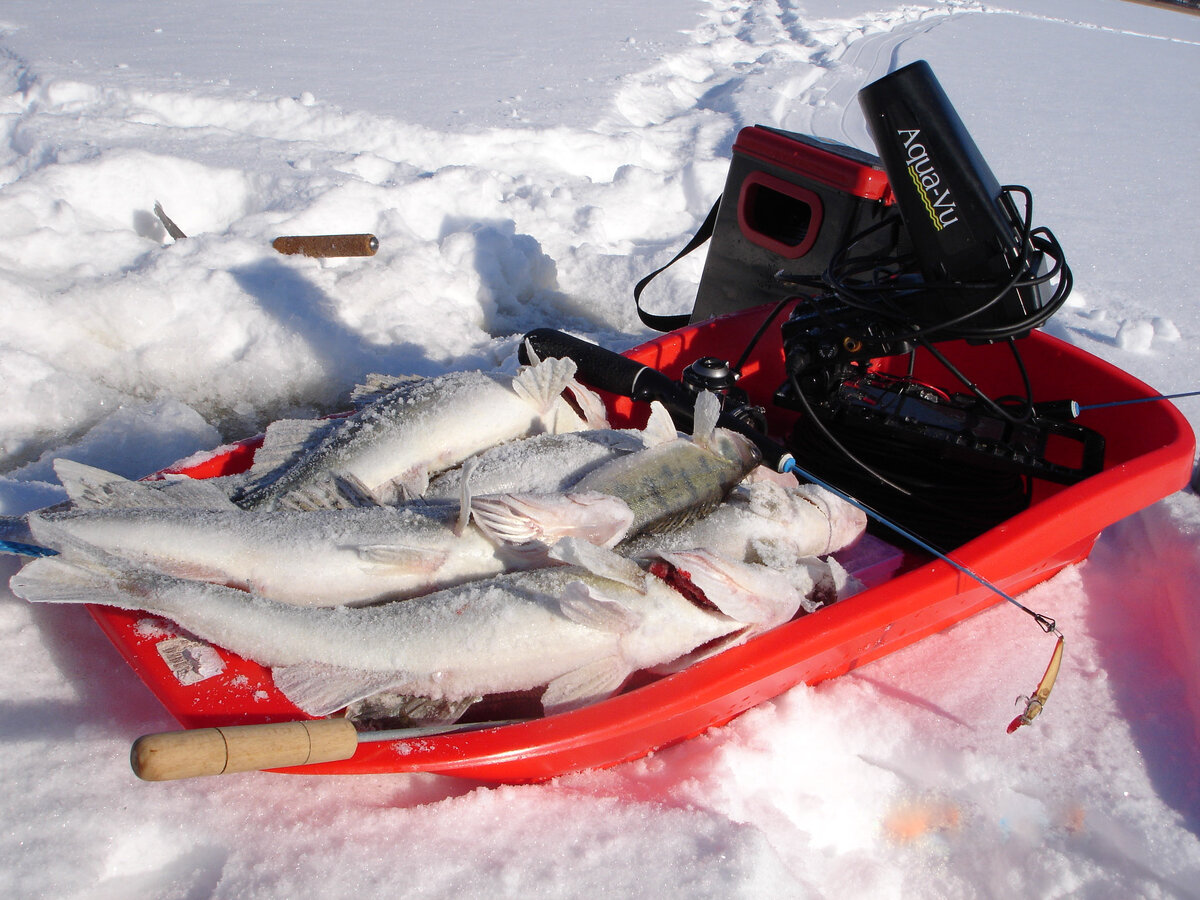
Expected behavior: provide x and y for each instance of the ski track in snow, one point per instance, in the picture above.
(137, 350)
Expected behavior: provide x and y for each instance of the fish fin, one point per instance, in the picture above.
(595, 414)
(599, 561)
(90, 488)
(587, 684)
(190, 493)
(284, 442)
(409, 486)
(334, 490)
(703, 652)
(418, 559)
(464, 495)
(542, 385)
(87, 486)
(583, 605)
(375, 387)
(660, 427)
(319, 689)
(519, 518)
(704, 420)
(532, 354)
(400, 709)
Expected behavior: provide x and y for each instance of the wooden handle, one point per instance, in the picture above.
(241, 748)
(327, 244)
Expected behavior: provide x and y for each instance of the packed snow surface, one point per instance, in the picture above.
(522, 165)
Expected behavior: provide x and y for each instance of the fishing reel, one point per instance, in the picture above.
(712, 374)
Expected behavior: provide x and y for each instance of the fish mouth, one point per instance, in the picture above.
(737, 448)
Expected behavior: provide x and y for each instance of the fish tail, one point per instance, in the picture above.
(51, 580)
(92, 578)
(90, 488)
(54, 533)
(88, 574)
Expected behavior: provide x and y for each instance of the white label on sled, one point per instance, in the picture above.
(190, 661)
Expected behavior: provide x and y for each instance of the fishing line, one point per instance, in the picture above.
(1046, 623)
(1033, 704)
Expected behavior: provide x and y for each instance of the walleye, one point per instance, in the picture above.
(577, 634)
(387, 450)
(668, 485)
(321, 558)
(765, 522)
(545, 463)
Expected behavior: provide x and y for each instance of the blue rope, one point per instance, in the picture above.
(25, 549)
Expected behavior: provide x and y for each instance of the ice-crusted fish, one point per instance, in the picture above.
(320, 558)
(765, 522)
(387, 450)
(577, 633)
(545, 462)
(88, 487)
(669, 484)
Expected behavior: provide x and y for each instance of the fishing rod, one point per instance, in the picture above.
(610, 371)
(1074, 408)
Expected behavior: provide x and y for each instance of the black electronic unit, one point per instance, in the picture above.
(966, 230)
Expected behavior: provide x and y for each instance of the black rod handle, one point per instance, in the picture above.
(610, 371)
(605, 369)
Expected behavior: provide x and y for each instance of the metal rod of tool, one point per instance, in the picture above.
(171, 755)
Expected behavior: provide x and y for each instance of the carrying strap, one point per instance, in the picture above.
(670, 323)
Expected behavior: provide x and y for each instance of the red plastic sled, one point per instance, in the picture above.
(1149, 455)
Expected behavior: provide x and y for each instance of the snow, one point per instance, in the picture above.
(523, 164)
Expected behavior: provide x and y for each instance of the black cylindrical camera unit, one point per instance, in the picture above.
(963, 227)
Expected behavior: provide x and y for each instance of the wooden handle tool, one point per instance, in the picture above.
(322, 245)
(241, 748)
(171, 755)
